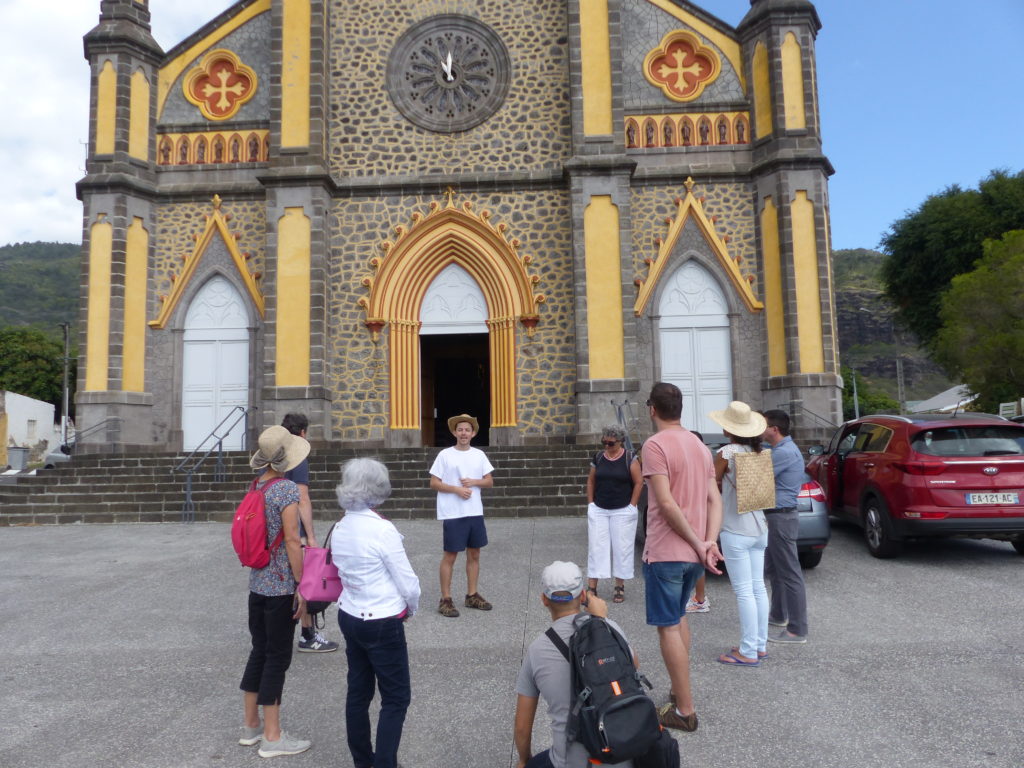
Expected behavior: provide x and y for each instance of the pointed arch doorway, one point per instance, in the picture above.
(215, 363)
(694, 344)
(454, 355)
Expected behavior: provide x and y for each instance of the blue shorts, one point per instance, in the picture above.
(668, 586)
(463, 532)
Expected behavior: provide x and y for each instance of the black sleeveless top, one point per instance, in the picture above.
(613, 485)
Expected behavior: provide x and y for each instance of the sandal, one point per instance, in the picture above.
(592, 591)
(762, 655)
(620, 593)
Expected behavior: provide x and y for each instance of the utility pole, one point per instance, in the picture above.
(900, 395)
(856, 401)
(64, 397)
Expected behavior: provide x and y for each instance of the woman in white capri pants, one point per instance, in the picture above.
(613, 488)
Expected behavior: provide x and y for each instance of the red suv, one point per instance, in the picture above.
(925, 475)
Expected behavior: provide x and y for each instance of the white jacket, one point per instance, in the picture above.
(377, 579)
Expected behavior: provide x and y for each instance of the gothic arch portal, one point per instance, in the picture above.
(449, 235)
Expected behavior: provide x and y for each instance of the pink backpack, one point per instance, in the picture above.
(249, 528)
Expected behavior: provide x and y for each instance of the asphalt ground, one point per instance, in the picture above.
(124, 644)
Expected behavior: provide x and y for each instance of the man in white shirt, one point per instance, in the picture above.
(458, 474)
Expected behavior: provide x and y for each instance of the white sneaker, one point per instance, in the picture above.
(286, 745)
(695, 606)
(250, 736)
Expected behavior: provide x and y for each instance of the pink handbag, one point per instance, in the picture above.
(320, 579)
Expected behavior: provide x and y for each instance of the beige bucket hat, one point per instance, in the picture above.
(279, 449)
(738, 419)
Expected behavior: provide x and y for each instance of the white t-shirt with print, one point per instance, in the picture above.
(450, 466)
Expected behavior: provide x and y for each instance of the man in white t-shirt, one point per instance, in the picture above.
(458, 474)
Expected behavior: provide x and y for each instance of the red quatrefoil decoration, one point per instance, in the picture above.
(220, 85)
(681, 66)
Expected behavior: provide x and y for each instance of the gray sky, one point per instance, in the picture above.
(915, 95)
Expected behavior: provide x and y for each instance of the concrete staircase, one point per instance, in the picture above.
(528, 482)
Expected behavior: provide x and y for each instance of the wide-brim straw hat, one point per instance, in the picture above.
(454, 421)
(738, 419)
(280, 449)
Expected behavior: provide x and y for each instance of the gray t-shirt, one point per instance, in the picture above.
(546, 673)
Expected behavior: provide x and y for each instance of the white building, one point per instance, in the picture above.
(26, 423)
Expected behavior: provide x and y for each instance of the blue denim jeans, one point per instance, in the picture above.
(377, 655)
(668, 586)
(744, 560)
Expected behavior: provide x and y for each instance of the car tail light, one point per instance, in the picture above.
(920, 467)
(811, 490)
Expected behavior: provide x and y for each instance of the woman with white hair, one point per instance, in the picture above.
(380, 592)
(274, 600)
(613, 487)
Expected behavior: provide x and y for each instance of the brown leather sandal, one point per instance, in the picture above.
(620, 593)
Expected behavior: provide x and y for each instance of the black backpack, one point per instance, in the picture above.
(611, 715)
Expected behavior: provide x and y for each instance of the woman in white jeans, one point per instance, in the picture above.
(613, 487)
(744, 537)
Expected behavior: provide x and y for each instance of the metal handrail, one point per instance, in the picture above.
(620, 415)
(794, 408)
(188, 509)
(94, 428)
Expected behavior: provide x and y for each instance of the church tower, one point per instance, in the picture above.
(790, 179)
(118, 219)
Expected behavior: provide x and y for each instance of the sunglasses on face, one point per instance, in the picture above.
(609, 442)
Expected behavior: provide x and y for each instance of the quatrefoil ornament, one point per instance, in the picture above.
(681, 66)
(220, 85)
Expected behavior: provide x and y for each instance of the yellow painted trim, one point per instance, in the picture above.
(294, 241)
(295, 73)
(699, 47)
(3, 440)
(677, 118)
(204, 68)
(693, 207)
(170, 72)
(808, 289)
(762, 92)
(605, 337)
(449, 235)
(775, 303)
(133, 365)
(729, 47)
(97, 335)
(216, 224)
(262, 134)
(595, 52)
(793, 84)
(831, 293)
(106, 108)
(138, 123)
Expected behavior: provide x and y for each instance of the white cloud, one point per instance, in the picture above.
(44, 100)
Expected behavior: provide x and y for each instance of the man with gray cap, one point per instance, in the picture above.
(545, 671)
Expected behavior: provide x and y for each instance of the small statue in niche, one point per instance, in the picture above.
(705, 131)
(723, 133)
(668, 134)
(254, 150)
(236, 148)
(687, 135)
(165, 153)
(218, 152)
(183, 153)
(631, 135)
(649, 133)
(201, 152)
(741, 133)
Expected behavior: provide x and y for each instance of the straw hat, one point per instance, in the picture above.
(454, 421)
(279, 449)
(739, 420)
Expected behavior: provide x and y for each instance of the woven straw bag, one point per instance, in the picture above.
(755, 481)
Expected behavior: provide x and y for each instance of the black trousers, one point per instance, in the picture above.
(273, 632)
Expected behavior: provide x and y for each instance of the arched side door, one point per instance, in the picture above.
(694, 342)
(215, 363)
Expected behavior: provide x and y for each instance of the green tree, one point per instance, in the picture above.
(943, 238)
(870, 399)
(31, 364)
(982, 314)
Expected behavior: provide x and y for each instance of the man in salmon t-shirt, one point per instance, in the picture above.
(684, 515)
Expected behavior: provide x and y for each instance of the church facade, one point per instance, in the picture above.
(383, 214)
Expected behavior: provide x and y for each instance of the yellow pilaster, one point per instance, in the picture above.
(293, 285)
(405, 367)
(762, 92)
(3, 439)
(808, 293)
(295, 73)
(97, 337)
(133, 377)
(774, 302)
(793, 84)
(595, 49)
(604, 288)
(502, 340)
(138, 125)
(106, 108)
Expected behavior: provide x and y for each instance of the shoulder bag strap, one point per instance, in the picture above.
(559, 643)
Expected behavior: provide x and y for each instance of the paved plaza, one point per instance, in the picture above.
(124, 645)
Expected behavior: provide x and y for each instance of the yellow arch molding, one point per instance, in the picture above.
(215, 224)
(691, 206)
(450, 235)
